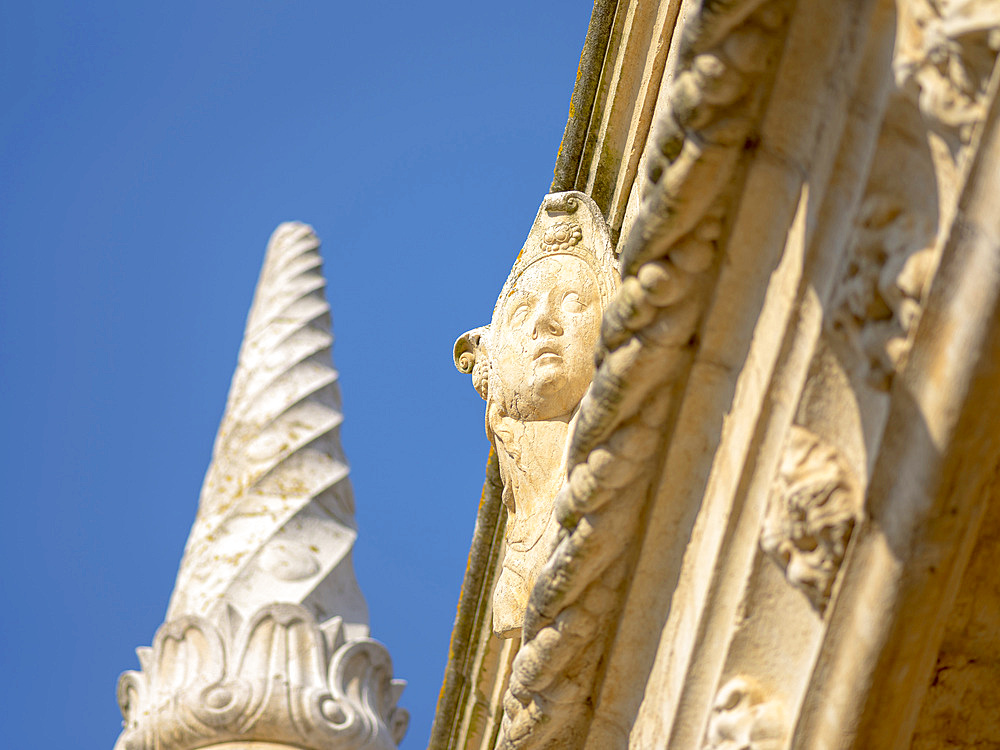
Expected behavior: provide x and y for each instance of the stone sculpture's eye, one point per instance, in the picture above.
(572, 303)
(520, 313)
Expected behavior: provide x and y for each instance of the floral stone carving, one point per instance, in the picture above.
(814, 504)
(532, 364)
(945, 55)
(743, 719)
(278, 677)
(878, 302)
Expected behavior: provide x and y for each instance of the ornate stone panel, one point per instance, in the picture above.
(278, 677)
(815, 503)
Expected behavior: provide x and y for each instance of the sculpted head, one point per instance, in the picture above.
(533, 364)
(535, 359)
(542, 349)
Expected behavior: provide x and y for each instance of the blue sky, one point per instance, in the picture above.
(147, 151)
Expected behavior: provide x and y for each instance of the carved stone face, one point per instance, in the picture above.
(811, 514)
(545, 335)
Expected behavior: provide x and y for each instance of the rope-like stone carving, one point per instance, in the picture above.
(276, 516)
(669, 263)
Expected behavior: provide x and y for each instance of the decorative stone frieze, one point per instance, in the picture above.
(814, 506)
(767, 475)
(278, 677)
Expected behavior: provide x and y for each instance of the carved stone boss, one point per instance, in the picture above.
(743, 718)
(814, 505)
(532, 364)
(266, 638)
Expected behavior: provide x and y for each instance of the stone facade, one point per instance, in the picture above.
(773, 506)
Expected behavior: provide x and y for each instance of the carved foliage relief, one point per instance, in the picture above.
(744, 719)
(945, 54)
(878, 302)
(278, 677)
(814, 505)
(944, 58)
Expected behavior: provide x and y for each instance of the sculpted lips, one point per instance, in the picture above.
(548, 352)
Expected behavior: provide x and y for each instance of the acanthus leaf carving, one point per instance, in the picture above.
(814, 505)
(278, 677)
(945, 55)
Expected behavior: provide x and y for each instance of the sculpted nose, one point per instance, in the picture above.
(546, 323)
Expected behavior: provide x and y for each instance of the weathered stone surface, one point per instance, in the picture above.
(265, 643)
(532, 365)
(774, 484)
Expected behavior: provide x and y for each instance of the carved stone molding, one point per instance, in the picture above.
(815, 502)
(278, 677)
(946, 52)
(669, 263)
(743, 718)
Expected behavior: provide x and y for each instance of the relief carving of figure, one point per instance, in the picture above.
(743, 718)
(815, 502)
(532, 364)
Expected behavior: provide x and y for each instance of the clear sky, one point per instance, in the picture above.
(147, 151)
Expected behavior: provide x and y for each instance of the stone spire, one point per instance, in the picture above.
(267, 629)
